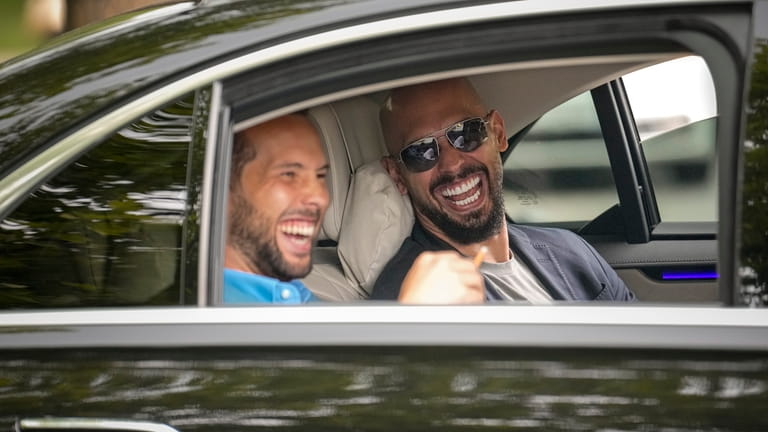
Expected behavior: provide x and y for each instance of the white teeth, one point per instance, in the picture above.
(298, 230)
(462, 188)
(470, 199)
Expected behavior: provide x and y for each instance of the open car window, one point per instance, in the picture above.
(559, 173)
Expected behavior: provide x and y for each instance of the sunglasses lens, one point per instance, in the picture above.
(420, 156)
(467, 135)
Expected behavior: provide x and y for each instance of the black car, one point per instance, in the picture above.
(639, 125)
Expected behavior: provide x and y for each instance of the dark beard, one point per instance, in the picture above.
(476, 227)
(250, 234)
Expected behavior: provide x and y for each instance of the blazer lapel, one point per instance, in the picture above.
(543, 263)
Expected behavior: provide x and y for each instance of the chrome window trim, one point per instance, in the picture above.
(76, 423)
(559, 326)
(386, 312)
(19, 183)
(211, 147)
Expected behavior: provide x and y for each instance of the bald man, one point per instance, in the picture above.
(445, 148)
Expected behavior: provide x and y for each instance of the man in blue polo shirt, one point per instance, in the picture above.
(277, 198)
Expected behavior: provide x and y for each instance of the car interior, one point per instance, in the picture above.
(368, 218)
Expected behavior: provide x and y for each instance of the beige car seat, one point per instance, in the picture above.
(367, 218)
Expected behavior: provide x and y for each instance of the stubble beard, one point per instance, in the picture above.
(476, 226)
(253, 236)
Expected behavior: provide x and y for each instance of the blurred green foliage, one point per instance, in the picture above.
(15, 38)
(755, 200)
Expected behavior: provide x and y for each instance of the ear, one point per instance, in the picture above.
(390, 164)
(496, 124)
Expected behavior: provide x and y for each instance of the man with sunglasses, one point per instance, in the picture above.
(278, 196)
(445, 148)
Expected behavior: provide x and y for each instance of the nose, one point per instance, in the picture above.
(450, 159)
(316, 194)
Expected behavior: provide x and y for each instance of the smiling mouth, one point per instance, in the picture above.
(464, 193)
(299, 232)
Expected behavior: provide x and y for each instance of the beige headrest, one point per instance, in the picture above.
(377, 218)
(338, 176)
(352, 136)
(367, 216)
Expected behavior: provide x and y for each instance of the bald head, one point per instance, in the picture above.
(423, 108)
(476, 212)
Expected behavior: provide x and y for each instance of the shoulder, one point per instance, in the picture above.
(243, 287)
(387, 286)
(577, 260)
(564, 244)
(304, 293)
(546, 235)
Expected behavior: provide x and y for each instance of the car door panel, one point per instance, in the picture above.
(228, 389)
(665, 270)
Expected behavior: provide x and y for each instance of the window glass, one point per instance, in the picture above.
(106, 231)
(675, 111)
(560, 170)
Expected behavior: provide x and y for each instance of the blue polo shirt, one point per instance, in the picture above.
(242, 287)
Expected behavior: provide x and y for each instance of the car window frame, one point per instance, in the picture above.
(242, 103)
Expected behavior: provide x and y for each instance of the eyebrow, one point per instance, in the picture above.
(444, 130)
(300, 166)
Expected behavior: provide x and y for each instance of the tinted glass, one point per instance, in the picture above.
(560, 171)
(105, 231)
(675, 111)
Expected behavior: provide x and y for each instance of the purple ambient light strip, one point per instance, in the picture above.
(688, 275)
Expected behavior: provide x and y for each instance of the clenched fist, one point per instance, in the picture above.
(442, 278)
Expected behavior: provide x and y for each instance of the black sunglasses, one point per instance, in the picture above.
(466, 136)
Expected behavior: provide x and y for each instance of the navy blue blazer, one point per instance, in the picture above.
(567, 266)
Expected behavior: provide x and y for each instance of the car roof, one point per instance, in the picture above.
(47, 94)
(44, 94)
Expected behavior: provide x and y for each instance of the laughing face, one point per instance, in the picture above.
(467, 206)
(460, 198)
(277, 204)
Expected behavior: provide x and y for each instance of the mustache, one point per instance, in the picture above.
(465, 172)
(310, 213)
